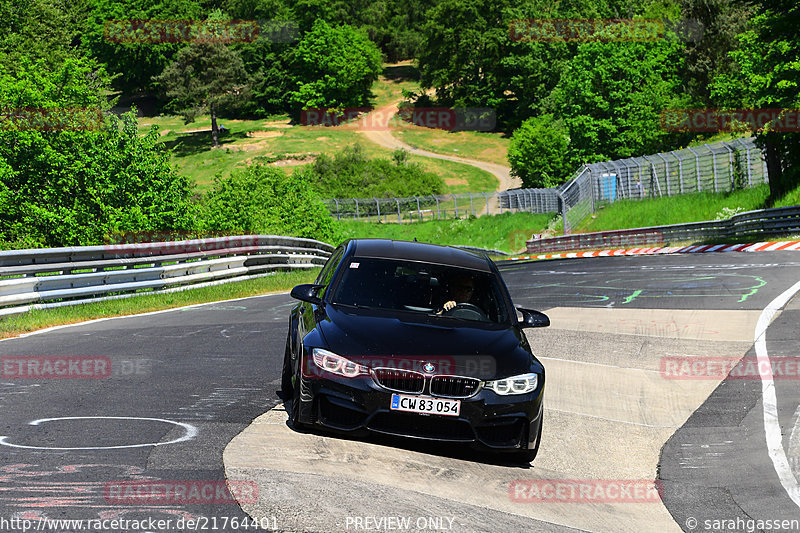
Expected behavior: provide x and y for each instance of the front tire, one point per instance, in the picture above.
(297, 388)
(286, 374)
(527, 456)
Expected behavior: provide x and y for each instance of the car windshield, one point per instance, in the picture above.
(435, 290)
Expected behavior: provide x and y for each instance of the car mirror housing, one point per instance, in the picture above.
(533, 319)
(307, 293)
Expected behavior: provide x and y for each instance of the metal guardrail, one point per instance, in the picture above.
(752, 224)
(73, 274)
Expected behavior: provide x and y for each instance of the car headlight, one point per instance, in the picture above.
(514, 385)
(336, 364)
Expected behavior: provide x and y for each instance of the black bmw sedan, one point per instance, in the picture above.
(414, 340)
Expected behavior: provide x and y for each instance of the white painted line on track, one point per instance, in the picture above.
(772, 427)
(542, 358)
(609, 419)
(190, 433)
(85, 322)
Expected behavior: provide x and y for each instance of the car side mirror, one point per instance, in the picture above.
(307, 293)
(533, 319)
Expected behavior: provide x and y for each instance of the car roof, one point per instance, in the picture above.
(418, 251)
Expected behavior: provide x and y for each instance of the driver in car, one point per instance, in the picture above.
(460, 290)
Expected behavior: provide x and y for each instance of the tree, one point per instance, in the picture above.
(261, 199)
(265, 58)
(611, 96)
(768, 77)
(68, 181)
(539, 153)
(132, 57)
(205, 77)
(708, 53)
(350, 173)
(333, 68)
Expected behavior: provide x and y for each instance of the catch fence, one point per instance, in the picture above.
(716, 167)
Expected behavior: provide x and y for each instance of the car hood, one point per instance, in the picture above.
(453, 346)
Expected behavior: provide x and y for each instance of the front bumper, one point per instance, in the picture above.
(486, 420)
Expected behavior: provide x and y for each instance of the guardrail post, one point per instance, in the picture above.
(730, 164)
(638, 172)
(666, 172)
(399, 218)
(358, 216)
(653, 175)
(378, 205)
(749, 169)
(419, 211)
(455, 199)
(697, 167)
(562, 208)
(471, 204)
(677, 156)
(338, 216)
(438, 216)
(714, 166)
(487, 202)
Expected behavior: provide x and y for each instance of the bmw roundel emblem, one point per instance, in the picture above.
(429, 368)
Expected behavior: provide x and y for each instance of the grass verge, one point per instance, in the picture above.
(624, 214)
(507, 232)
(482, 146)
(43, 318)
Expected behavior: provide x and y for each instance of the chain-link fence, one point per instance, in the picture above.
(716, 167)
(419, 208)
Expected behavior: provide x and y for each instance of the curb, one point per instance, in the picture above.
(769, 246)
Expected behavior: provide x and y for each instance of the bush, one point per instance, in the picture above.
(333, 67)
(350, 174)
(262, 200)
(539, 153)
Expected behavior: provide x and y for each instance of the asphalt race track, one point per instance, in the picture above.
(160, 409)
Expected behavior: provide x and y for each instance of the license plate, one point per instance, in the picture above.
(417, 404)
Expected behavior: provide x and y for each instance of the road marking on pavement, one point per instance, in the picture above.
(190, 433)
(94, 320)
(772, 427)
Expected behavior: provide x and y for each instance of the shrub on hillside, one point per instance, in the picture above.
(539, 153)
(351, 174)
(262, 200)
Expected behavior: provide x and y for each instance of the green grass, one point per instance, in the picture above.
(483, 146)
(42, 318)
(790, 198)
(389, 87)
(507, 232)
(249, 140)
(624, 214)
(457, 177)
(276, 139)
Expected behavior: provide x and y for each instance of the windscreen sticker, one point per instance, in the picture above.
(354, 265)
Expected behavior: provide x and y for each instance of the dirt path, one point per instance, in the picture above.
(370, 128)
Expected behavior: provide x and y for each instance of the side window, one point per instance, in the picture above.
(326, 274)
